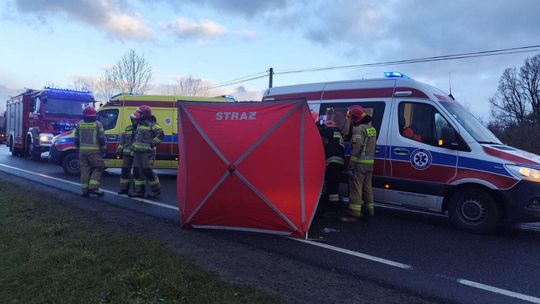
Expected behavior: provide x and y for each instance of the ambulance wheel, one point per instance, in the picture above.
(473, 210)
(70, 164)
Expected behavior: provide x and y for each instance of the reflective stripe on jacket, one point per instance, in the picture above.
(90, 137)
(147, 136)
(333, 145)
(364, 142)
(126, 140)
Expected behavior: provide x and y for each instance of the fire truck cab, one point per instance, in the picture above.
(34, 117)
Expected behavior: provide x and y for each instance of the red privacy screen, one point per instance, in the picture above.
(249, 166)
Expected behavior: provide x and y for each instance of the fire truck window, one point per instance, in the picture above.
(108, 118)
(37, 105)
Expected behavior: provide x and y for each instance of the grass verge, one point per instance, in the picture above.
(51, 252)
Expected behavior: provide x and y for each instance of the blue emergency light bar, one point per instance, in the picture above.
(66, 90)
(394, 75)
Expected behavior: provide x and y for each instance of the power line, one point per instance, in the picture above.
(496, 52)
(524, 49)
(239, 81)
(241, 78)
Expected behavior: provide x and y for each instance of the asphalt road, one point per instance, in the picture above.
(417, 253)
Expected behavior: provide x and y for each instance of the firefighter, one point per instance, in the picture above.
(124, 151)
(90, 141)
(334, 152)
(363, 144)
(147, 137)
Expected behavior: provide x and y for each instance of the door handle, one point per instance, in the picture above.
(401, 151)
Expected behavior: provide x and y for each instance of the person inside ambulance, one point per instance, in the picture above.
(408, 131)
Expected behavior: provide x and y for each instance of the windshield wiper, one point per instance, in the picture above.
(489, 143)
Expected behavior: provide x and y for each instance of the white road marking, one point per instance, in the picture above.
(356, 254)
(500, 291)
(106, 191)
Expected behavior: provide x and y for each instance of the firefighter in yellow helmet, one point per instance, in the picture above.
(363, 144)
(124, 149)
(148, 135)
(90, 141)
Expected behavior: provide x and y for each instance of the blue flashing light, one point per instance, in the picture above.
(66, 90)
(394, 75)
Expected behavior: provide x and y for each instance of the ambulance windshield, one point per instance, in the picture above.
(477, 130)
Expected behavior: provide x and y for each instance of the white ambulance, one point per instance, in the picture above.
(432, 154)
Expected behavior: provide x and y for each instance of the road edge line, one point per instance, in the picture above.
(104, 190)
(501, 291)
(355, 254)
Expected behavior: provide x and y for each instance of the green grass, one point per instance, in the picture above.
(51, 252)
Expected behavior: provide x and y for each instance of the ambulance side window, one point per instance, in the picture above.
(338, 112)
(423, 123)
(108, 118)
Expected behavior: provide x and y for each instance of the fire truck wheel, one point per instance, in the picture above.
(70, 164)
(14, 151)
(33, 153)
(473, 210)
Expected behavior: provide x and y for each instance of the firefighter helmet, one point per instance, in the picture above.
(315, 117)
(89, 112)
(357, 112)
(145, 111)
(330, 124)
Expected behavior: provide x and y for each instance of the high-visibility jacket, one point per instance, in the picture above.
(333, 145)
(90, 137)
(148, 135)
(363, 144)
(126, 140)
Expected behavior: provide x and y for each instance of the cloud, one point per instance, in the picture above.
(196, 30)
(245, 8)
(414, 28)
(115, 17)
(248, 34)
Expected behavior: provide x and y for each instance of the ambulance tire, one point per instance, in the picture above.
(473, 210)
(70, 164)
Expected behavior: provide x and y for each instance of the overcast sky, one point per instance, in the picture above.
(57, 41)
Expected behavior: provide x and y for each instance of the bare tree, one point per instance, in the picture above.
(84, 83)
(105, 86)
(132, 73)
(509, 105)
(516, 106)
(190, 86)
(530, 84)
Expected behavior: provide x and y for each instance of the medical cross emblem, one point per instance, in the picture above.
(421, 159)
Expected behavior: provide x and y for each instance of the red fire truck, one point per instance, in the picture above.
(34, 117)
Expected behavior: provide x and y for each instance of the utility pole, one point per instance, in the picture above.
(270, 77)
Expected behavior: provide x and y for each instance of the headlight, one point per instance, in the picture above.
(45, 138)
(525, 172)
